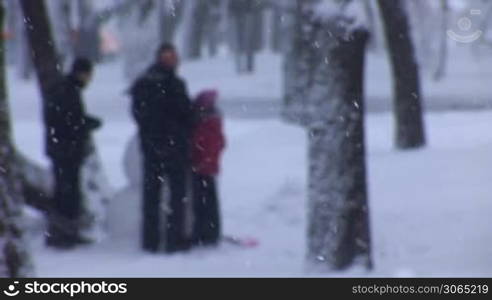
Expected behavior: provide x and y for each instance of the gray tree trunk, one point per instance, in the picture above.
(170, 16)
(276, 29)
(324, 93)
(195, 30)
(247, 20)
(406, 78)
(14, 258)
(339, 228)
(440, 70)
(213, 28)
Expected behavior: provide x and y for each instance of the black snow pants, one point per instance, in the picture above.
(207, 227)
(63, 228)
(68, 196)
(159, 169)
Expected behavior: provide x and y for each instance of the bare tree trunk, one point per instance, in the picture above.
(14, 258)
(170, 16)
(339, 227)
(254, 42)
(195, 31)
(407, 91)
(247, 18)
(250, 41)
(213, 29)
(48, 68)
(324, 93)
(276, 29)
(239, 36)
(49, 72)
(443, 43)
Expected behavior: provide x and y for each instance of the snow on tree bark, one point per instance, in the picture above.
(324, 93)
(406, 79)
(14, 257)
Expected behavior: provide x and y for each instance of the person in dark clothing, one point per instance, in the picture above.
(67, 136)
(208, 143)
(162, 111)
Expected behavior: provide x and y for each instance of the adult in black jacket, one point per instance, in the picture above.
(162, 111)
(67, 144)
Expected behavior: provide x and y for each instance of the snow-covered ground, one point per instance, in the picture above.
(430, 209)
